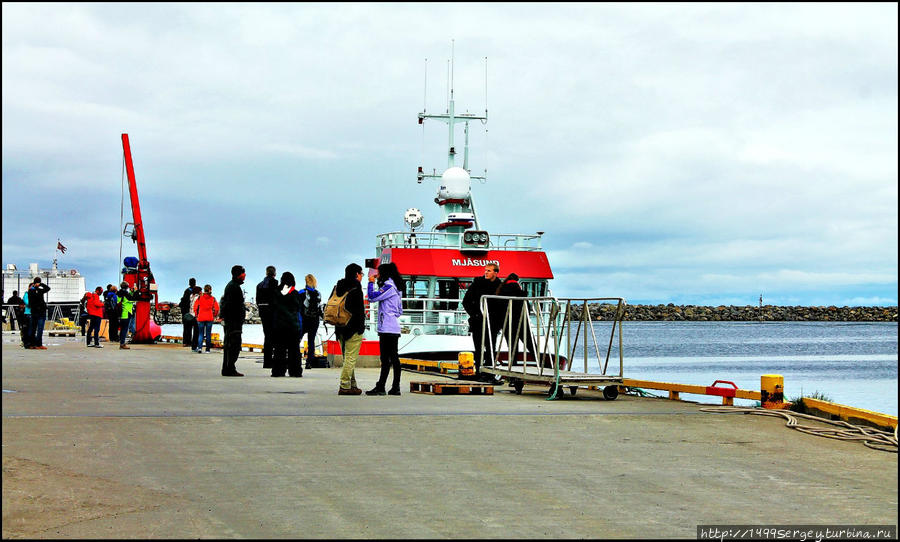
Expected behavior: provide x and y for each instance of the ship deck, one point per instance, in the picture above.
(152, 443)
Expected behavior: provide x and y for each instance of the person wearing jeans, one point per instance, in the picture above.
(206, 308)
(94, 308)
(126, 300)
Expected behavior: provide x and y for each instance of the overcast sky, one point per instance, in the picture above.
(683, 153)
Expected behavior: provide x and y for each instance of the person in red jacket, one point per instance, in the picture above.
(94, 306)
(206, 308)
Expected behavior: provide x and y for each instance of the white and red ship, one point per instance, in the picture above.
(439, 265)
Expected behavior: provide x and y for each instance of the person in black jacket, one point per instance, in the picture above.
(481, 286)
(351, 335)
(110, 302)
(232, 312)
(286, 308)
(18, 306)
(38, 307)
(82, 312)
(188, 321)
(513, 330)
(266, 291)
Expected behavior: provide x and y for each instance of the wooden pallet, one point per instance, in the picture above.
(452, 388)
(62, 333)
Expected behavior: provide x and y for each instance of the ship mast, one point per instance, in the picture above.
(452, 119)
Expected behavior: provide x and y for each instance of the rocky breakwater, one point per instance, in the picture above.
(746, 313)
(174, 314)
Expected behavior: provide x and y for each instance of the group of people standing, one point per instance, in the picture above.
(31, 313)
(199, 310)
(116, 305)
(287, 314)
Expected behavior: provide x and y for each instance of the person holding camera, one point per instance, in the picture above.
(389, 296)
(38, 312)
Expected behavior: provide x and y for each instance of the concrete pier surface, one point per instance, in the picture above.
(153, 443)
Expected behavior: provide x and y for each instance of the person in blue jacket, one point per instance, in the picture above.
(310, 314)
(388, 295)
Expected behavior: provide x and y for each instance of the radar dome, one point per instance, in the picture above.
(455, 184)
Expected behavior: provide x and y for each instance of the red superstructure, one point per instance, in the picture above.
(456, 263)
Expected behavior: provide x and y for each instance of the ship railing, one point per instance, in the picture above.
(550, 330)
(431, 314)
(454, 240)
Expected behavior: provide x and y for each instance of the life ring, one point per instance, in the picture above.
(73, 272)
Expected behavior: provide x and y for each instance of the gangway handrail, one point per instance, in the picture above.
(559, 322)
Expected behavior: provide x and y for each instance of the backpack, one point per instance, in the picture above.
(110, 307)
(311, 305)
(336, 312)
(185, 303)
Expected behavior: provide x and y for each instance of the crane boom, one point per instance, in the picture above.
(139, 278)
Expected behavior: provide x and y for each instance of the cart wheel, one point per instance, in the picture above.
(610, 392)
(553, 389)
(518, 384)
(573, 389)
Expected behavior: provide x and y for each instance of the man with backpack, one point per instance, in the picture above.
(346, 311)
(265, 299)
(110, 311)
(311, 310)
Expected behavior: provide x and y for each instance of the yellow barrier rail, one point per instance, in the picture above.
(851, 414)
(728, 394)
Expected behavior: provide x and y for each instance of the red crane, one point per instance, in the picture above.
(139, 278)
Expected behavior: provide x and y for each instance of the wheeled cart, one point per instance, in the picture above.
(552, 332)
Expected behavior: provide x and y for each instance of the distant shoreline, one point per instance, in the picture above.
(744, 313)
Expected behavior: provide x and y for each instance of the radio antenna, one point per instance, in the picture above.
(424, 109)
(485, 86)
(452, 43)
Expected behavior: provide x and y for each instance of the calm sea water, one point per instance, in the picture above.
(852, 363)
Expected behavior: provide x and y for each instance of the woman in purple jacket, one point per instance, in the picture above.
(388, 295)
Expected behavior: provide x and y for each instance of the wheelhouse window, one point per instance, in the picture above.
(416, 288)
(448, 289)
(534, 288)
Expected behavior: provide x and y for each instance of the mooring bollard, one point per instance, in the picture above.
(466, 363)
(772, 391)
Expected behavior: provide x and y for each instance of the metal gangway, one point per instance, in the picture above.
(539, 338)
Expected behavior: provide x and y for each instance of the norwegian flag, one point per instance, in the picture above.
(60, 247)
